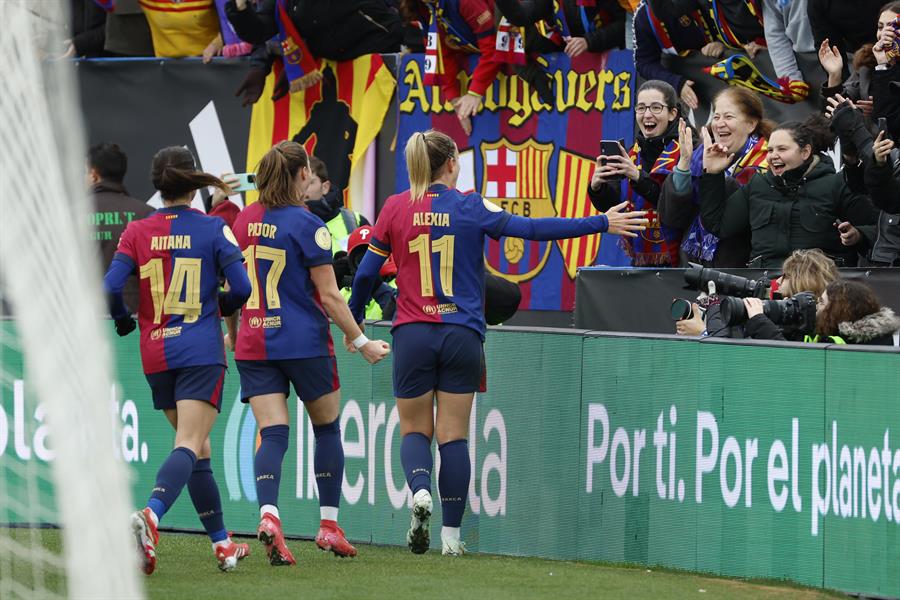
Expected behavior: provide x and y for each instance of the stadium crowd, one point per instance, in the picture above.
(739, 191)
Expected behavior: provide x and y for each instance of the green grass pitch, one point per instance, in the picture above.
(186, 569)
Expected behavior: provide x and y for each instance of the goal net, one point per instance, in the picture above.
(57, 463)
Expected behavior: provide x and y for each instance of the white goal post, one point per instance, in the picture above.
(50, 277)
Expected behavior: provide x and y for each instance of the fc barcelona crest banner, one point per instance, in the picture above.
(533, 159)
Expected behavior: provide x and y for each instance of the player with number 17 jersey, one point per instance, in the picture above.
(284, 317)
(178, 254)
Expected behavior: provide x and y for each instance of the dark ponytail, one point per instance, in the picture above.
(814, 132)
(174, 173)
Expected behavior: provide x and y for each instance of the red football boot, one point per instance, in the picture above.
(147, 537)
(269, 533)
(331, 538)
(229, 554)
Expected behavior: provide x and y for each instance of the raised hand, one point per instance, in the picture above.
(881, 148)
(832, 61)
(624, 222)
(865, 106)
(833, 102)
(689, 96)
(685, 144)
(232, 182)
(603, 172)
(885, 42)
(623, 165)
(716, 157)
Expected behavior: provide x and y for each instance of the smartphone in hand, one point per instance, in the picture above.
(246, 182)
(611, 148)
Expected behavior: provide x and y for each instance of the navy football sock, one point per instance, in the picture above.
(267, 464)
(453, 481)
(205, 496)
(415, 455)
(329, 463)
(171, 479)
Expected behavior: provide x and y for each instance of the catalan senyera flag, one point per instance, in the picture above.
(336, 119)
(571, 201)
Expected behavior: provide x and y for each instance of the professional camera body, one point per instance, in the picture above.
(795, 315)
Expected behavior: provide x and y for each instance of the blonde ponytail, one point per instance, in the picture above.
(426, 154)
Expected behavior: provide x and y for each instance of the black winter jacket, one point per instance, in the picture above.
(612, 32)
(337, 30)
(847, 25)
(787, 213)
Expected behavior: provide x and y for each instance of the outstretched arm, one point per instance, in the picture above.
(615, 221)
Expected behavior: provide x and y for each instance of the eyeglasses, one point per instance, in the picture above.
(654, 108)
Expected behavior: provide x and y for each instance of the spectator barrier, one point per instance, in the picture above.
(638, 300)
(742, 459)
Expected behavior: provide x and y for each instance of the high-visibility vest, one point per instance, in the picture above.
(340, 228)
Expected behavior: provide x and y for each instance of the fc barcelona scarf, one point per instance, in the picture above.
(658, 244)
(510, 45)
(107, 5)
(301, 68)
(725, 32)
(444, 18)
(556, 29)
(699, 243)
(740, 71)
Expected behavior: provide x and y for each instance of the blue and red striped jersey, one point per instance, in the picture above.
(178, 254)
(284, 317)
(438, 246)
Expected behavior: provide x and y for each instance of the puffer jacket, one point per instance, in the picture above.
(784, 213)
(876, 329)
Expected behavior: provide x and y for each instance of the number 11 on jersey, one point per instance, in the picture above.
(424, 246)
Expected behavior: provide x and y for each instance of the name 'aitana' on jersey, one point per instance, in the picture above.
(170, 242)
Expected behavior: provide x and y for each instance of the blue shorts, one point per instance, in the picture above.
(188, 383)
(436, 356)
(312, 377)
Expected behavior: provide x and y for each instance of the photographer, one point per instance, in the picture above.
(849, 313)
(804, 271)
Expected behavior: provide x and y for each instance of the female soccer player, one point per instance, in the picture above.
(436, 235)
(284, 339)
(179, 254)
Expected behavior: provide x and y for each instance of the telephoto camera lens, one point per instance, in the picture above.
(698, 278)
